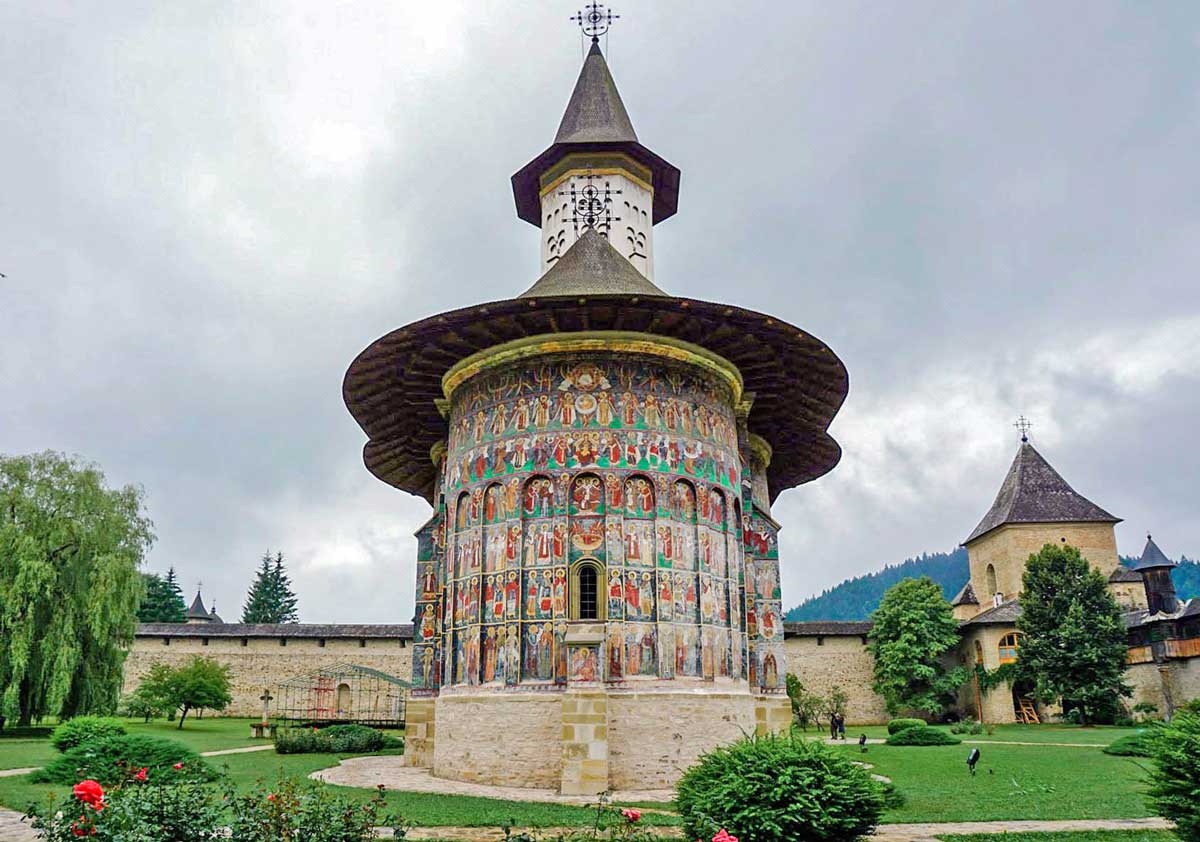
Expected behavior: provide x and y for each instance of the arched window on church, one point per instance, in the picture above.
(586, 604)
(1009, 644)
(992, 586)
(978, 652)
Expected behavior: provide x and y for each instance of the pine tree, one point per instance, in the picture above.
(1075, 643)
(270, 599)
(160, 603)
(173, 584)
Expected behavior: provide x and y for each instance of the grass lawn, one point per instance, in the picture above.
(1068, 836)
(1095, 735)
(1013, 782)
(245, 770)
(18, 754)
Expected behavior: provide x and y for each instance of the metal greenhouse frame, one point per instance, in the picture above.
(342, 693)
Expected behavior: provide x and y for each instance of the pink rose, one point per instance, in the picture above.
(723, 836)
(632, 815)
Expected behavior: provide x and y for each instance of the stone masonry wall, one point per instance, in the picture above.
(654, 736)
(821, 662)
(499, 738)
(263, 662)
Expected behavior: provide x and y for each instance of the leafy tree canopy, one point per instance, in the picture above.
(202, 683)
(70, 548)
(161, 603)
(913, 628)
(1075, 643)
(271, 599)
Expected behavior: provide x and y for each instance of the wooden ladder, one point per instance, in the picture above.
(1026, 712)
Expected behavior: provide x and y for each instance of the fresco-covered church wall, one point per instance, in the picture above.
(628, 462)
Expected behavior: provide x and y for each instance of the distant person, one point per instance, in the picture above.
(862, 743)
(841, 724)
(833, 726)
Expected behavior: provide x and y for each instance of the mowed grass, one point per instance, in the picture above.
(1100, 735)
(1067, 836)
(1012, 782)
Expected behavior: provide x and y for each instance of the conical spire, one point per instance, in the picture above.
(591, 266)
(1153, 557)
(1033, 492)
(595, 113)
(198, 613)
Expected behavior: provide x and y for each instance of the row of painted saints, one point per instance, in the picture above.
(582, 396)
(536, 652)
(575, 449)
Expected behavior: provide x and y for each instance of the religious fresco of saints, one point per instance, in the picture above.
(615, 667)
(558, 598)
(639, 498)
(708, 653)
(539, 497)
(587, 537)
(494, 504)
(512, 655)
(687, 651)
(539, 543)
(587, 495)
(641, 649)
(639, 543)
(429, 581)
(490, 643)
(427, 628)
(707, 599)
(666, 602)
(666, 651)
(616, 595)
(639, 595)
(489, 599)
(584, 664)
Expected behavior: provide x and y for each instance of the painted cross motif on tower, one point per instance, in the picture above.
(594, 20)
(1023, 424)
(591, 204)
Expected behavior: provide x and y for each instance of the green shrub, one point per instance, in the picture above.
(336, 739)
(967, 726)
(1177, 769)
(779, 788)
(898, 725)
(1139, 744)
(922, 736)
(110, 760)
(306, 812)
(136, 813)
(79, 730)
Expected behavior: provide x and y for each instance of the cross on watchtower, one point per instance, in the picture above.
(594, 20)
(1023, 424)
(591, 204)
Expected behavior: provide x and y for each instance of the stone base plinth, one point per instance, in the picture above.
(772, 714)
(587, 740)
(419, 732)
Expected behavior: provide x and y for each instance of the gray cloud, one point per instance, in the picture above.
(986, 209)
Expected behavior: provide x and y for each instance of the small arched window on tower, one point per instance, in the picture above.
(992, 588)
(1009, 644)
(585, 591)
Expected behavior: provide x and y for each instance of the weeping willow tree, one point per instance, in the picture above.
(70, 548)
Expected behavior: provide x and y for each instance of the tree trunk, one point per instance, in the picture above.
(182, 717)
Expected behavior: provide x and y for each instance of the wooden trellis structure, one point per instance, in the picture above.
(342, 693)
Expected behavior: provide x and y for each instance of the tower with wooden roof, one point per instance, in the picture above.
(598, 595)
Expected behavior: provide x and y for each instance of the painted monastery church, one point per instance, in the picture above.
(597, 586)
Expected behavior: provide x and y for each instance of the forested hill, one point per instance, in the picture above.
(855, 599)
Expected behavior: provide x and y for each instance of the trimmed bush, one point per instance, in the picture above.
(336, 739)
(1177, 768)
(779, 788)
(110, 760)
(307, 812)
(967, 726)
(922, 736)
(79, 730)
(897, 725)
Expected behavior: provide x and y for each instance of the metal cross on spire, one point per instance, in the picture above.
(1023, 424)
(594, 20)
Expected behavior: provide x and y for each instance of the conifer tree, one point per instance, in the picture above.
(1075, 644)
(270, 599)
(173, 584)
(160, 604)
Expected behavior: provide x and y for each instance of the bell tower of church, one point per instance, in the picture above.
(597, 175)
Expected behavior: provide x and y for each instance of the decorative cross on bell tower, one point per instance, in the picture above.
(1024, 425)
(597, 174)
(595, 20)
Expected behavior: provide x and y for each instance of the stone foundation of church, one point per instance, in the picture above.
(584, 741)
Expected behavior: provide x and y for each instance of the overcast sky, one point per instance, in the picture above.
(985, 209)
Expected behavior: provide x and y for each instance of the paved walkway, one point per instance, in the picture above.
(13, 773)
(370, 772)
(245, 750)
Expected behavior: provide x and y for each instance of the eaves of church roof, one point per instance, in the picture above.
(1033, 492)
(591, 266)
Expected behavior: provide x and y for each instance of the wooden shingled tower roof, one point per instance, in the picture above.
(1033, 492)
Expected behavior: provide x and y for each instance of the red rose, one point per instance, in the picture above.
(140, 775)
(723, 836)
(632, 815)
(177, 766)
(90, 792)
(271, 797)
